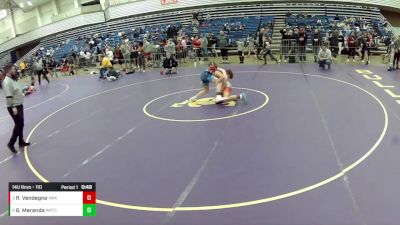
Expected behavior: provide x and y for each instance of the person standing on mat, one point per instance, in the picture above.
(38, 67)
(14, 99)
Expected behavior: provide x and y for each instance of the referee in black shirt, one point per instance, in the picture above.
(14, 98)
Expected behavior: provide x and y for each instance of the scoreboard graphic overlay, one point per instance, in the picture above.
(51, 199)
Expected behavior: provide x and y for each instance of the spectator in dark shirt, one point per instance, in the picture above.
(351, 46)
(334, 43)
(260, 41)
(14, 100)
(286, 45)
(302, 42)
(223, 45)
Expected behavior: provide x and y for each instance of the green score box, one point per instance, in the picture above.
(89, 210)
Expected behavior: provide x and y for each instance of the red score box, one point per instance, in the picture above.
(89, 197)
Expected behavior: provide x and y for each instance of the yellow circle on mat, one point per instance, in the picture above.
(232, 205)
(206, 119)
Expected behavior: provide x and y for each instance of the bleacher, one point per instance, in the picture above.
(374, 25)
(249, 25)
(5, 58)
(225, 14)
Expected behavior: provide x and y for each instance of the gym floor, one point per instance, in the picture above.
(311, 147)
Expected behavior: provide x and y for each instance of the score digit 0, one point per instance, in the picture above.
(89, 197)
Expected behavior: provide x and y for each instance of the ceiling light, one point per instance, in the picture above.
(21, 5)
(3, 13)
(29, 3)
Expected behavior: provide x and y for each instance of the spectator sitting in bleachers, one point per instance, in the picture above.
(324, 57)
(300, 15)
(195, 18)
(170, 65)
(319, 23)
(227, 28)
(335, 26)
(346, 28)
(270, 25)
(91, 43)
(365, 27)
(357, 23)
(289, 14)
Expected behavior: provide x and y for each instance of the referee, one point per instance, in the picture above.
(14, 98)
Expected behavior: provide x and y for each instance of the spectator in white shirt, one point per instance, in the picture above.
(324, 57)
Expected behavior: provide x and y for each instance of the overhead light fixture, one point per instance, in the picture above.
(29, 3)
(3, 13)
(21, 5)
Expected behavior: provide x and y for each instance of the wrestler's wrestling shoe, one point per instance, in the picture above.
(219, 99)
(243, 97)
